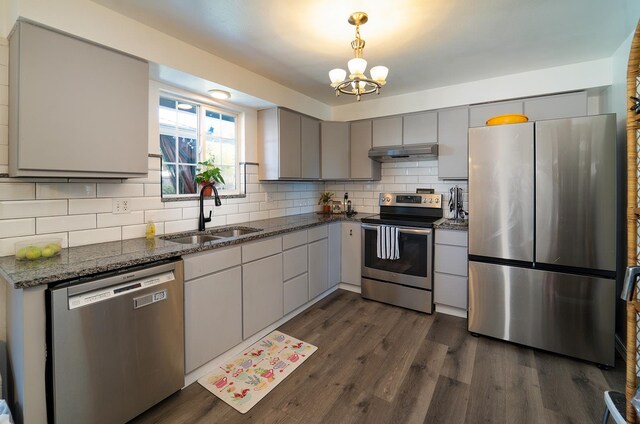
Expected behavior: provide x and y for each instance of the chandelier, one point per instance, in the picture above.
(358, 84)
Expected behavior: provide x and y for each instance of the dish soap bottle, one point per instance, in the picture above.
(150, 233)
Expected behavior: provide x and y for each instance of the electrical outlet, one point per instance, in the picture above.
(121, 206)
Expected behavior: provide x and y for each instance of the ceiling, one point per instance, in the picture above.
(424, 43)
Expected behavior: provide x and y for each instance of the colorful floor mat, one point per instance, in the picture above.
(252, 374)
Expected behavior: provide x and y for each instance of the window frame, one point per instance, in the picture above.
(203, 104)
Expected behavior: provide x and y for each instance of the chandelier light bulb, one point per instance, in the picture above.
(379, 74)
(337, 75)
(357, 66)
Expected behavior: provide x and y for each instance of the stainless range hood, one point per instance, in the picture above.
(404, 153)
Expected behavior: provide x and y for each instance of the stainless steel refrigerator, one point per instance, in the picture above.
(542, 235)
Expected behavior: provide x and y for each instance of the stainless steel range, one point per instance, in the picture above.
(408, 280)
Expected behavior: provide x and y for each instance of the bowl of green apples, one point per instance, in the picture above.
(38, 249)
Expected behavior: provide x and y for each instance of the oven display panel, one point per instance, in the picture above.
(408, 199)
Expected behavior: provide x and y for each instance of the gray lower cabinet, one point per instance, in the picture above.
(212, 316)
(351, 253)
(296, 292)
(335, 255)
(361, 167)
(318, 267)
(262, 294)
(453, 127)
(334, 143)
(450, 266)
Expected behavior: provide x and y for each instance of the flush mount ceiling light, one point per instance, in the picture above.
(220, 94)
(185, 106)
(358, 84)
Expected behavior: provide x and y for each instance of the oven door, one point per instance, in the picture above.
(414, 268)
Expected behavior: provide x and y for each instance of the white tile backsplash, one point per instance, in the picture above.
(17, 227)
(65, 190)
(81, 209)
(17, 191)
(101, 235)
(58, 224)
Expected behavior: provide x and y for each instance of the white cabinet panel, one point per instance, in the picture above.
(450, 290)
(387, 131)
(451, 259)
(452, 237)
(212, 316)
(297, 238)
(262, 294)
(261, 249)
(294, 262)
(199, 264)
(318, 267)
(335, 257)
(296, 293)
(351, 253)
(317, 233)
(420, 128)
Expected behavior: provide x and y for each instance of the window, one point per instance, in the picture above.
(190, 133)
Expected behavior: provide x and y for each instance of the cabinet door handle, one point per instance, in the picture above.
(350, 232)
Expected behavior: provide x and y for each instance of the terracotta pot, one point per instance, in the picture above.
(326, 208)
(208, 192)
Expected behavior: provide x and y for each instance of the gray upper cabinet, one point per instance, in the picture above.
(67, 97)
(360, 141)
(420, 128)
(288, 145)
(310, 145)
(453, 125)
(479, 114)
(556, 107)
(387, 131)
(334, 141)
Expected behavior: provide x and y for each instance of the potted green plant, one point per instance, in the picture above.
(325, 198)
(209, 173)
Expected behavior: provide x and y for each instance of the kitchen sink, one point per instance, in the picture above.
(197, 237)
(233, 232)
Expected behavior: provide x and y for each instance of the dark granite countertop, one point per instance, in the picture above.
(451, 224)
(92, 259)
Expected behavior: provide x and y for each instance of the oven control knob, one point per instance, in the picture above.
(430, 200)
(387, 199)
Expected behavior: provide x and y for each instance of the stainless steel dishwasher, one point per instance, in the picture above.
(115, 344)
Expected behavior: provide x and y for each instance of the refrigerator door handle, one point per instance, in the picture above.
(630, 278)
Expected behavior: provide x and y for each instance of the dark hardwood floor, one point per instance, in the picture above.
(381, 364)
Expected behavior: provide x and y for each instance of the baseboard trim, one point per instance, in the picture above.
(450, 310)
(350, 287)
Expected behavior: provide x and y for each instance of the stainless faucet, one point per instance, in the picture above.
(202, 220)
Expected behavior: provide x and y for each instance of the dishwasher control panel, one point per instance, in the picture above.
(91, 297)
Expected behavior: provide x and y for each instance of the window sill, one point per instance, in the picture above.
(196, 197)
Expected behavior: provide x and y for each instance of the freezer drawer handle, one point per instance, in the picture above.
(630, 278)
(148, 299)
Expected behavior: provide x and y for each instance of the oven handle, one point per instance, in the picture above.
(404, 230)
